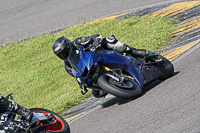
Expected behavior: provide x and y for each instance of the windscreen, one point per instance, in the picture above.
(74, 58)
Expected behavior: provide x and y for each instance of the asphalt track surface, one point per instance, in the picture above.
(172, 106)
(166, 107)
(21, 19)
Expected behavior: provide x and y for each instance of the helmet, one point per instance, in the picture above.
(61, 47)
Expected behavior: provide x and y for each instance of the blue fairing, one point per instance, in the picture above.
(85, 61)
(113, 58)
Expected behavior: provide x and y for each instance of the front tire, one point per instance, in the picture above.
(60, 127)
(130, 93)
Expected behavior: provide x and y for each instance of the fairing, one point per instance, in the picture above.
(83, 62)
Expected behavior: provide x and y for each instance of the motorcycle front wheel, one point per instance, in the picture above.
(125, 90)
(60, 127)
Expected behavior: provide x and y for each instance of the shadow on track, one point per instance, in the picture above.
(146, 88)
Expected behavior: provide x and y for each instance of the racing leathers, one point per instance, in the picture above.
(12, 106)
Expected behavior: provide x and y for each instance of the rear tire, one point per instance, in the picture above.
(165, 69)
(135, 91)
(60, 127)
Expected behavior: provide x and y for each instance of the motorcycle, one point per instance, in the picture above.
(107, 71)
(43, 121)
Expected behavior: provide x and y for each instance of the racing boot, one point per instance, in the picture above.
(24, 112)
(137, 53)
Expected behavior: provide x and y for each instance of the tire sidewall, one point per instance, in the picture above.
(167, 71)
(116, 91)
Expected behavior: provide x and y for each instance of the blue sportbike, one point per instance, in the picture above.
(107, 71)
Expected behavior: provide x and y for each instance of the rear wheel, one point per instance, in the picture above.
(165, 68)
(127, 89)
(60, 127)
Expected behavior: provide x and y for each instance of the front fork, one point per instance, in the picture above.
(113, 74)
(110, 73)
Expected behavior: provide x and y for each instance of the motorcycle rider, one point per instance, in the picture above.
(12, 106)
(62, 47)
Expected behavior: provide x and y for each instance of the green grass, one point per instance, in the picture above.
(37, 77)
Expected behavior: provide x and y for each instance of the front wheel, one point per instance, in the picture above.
(60, 127)
(126, 90)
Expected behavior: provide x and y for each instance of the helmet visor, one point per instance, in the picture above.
(63, 54)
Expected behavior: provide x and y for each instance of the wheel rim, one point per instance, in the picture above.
(58, 126)
(128, 85)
